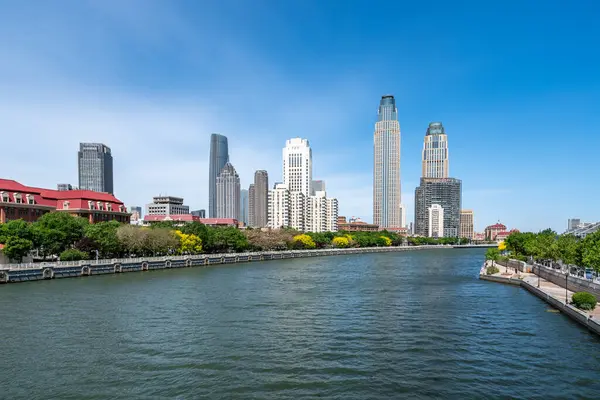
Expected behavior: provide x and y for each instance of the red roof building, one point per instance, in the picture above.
(492, 231)
(18, 201)
(192, 218)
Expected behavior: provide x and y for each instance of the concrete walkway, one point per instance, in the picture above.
(547, 287)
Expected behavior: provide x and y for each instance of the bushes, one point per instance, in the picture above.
(73, 255)
(492, 270)
(584, 300)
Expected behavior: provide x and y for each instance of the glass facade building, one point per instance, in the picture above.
(387, 211)
(219, 156)
(95, 167)
(447, 192)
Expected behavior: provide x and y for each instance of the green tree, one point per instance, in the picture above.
(161, 241)
(228, 239)
(321, 239)
(568, 249)
(492, 254)
(590, 253)
(57, 231)
(15, 248)
(104, 234)
(73, 255)
(16, 229)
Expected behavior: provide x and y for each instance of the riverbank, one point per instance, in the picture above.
(12, 273)
(553, 294)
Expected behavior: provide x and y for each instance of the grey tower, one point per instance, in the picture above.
(446, 192)
(244, 206)
(261, 199)
(95, 167)
(219, 156)
(228, 193)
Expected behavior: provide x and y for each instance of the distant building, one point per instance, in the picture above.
(466, 224)
(18, 201)
(228, 193)
(584, 229)
(446, 192)
(355, 225)
(136, 213)
(63, 187)
(436, 221)
(199, 213)
(402, 215)
(573, 223)
(261, 199)
(219, 156)
(435, 152)
(167, 206)
(317, 186)
(321, 213)
(279, 207)
(244, 206)
(492, 231)
(501, 236)
(386, 173)
(297, 211)
(95, 167)
(251, 207)
(478, 237)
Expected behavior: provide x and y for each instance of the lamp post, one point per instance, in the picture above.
(566, 288)
(539, 273)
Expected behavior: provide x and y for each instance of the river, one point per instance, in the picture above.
(372, 326)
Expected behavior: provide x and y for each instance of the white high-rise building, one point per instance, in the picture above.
(435, 152)
(228, 193)
(332, 215)
(436, 221)
(297, 166)
(386, 168)
(316, 213)
(297, 211)
(279, 207)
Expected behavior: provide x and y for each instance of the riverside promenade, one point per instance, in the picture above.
(553, 294)
(10, 273)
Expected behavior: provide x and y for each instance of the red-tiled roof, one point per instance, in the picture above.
(55, 198)
(497, 226)
(172, 217)
(219, 221)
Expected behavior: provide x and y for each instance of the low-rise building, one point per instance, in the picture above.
(18, 201)
(493, 230)
(356, 225)
(167, 205)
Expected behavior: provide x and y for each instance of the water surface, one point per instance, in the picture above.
(388, 325)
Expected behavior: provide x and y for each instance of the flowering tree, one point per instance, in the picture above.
(340, 241)
(303, 242)
(188, 243)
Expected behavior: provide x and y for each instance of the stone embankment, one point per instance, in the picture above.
(39, 271)
(551, 290)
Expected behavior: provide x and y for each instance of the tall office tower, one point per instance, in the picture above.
(317, 186)
(228, 193)
(435, 152)
(447, 192)
(261, 198)
(219, 156)
(95, 167)
(573, 223)
(403, 221)
(467, 221)
(435, 221)
(251, 218)
(244, 206)
(279, 207)
(386, 171)
(297, 166)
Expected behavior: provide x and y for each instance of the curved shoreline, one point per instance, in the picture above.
(74, 269)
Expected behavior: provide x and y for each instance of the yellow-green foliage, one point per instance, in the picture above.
(189, 243)
(304, 241)
(386, 241)
(340, 241)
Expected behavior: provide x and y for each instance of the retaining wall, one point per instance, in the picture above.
(41, 271)
(574, 284)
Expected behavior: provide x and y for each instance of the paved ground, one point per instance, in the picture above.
(548, 287)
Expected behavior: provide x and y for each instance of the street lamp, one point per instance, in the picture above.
(539, 273)
(566, 288)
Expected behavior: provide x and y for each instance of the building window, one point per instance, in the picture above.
(4, 197)
(91, 205)
(30, 199)
(17, 197)
(66, 205)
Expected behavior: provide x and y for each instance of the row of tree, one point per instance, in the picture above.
(73, 238)
(548, 245)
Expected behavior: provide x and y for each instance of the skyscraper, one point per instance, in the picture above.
(297, 166)
(447, 192)
(228, 193)
(261, 198)
(466, 224)
(219, 156)
(244, 206)
(386, 171)
(435, 152)
(95, 167)
(251, 218)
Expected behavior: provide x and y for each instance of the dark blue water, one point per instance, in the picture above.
(405, 325)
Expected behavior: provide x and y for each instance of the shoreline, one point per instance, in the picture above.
(547, 291)
(74, 269)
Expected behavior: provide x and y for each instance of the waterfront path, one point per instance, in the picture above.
(547, 287)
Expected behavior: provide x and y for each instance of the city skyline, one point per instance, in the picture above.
(494, 109)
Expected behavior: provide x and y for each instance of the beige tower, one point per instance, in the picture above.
(387, 211)
(435, 152)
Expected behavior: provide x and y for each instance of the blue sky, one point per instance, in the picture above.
(515, 83)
